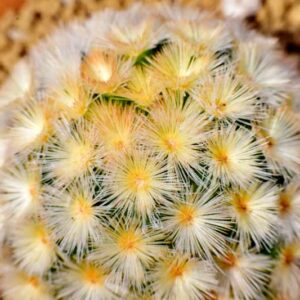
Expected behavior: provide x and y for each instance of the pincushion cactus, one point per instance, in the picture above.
(151, 153)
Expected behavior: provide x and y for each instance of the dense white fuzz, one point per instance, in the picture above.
(58, 58)
(255, 211)
(71, 99)
(286, 274)
(244, 275)
(18, 85)
(20, 190)
(289, 211)
(201, 35)
(142, 87)
(175, 130)
(128, 251)
(31, 125)
(232, 156)
(104, 71)
(138, 182)
(117, 126)
(135, 37)
(226, 97)
(261, 67)
(139, 142)
(73, 152)
(74, 216)
(179, 13)
(4, 149)
(178, 277)
(84, 281)
(16, 284)
(197, 221)
(179, 66)
(33, 248)
(280, 131)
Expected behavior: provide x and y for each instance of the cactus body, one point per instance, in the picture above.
(151, 153)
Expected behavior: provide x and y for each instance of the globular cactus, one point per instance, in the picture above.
(151, 153)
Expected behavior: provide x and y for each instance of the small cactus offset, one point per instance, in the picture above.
(151, 153)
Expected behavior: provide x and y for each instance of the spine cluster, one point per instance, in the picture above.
(152, 153)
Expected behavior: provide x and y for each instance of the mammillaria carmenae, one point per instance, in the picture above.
(151, 153)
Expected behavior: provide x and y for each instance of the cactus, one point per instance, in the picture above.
(151, 153)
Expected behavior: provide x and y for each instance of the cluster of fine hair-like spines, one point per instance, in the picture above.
(152, 153)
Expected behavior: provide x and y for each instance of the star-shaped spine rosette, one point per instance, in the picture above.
(150, 154)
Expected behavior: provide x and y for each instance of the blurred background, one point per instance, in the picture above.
(24, 22)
